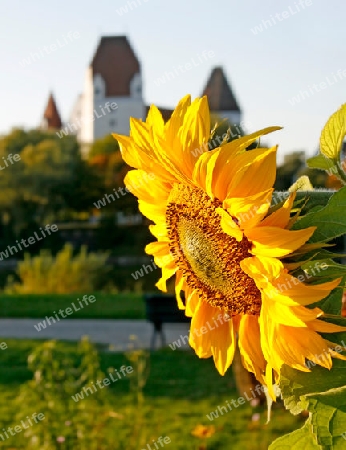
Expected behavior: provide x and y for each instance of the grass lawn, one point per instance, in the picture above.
(179, 393)
(106, 306)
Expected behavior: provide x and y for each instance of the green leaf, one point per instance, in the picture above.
(320, 162)
(331, 304)
(333, 134)
(319, 254)
(325, 268)
(296, 386)
(323, 393)
(330, 221)
(311, 200)
(297, 440)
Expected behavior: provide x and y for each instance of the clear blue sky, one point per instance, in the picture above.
(302, 46)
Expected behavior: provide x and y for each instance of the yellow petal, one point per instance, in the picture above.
(269, 381)
(153, 211)
(217, 170)
(195, 132)
(303, 294)
(249, 211)
(167, 152)
(250, 347)
(155, 120)
(192, 301)
(262, 269)
(231, 159)
(179, 286)
(276, 242)
(326, 327)
(159, 231)
(200, 343)
(257, 174)
(281, 217)
(147, 187)
(167, 272)
(209, 337)
(203, 173)
(174, 123)
(229, 226)
(161, 253)
(282, 313)
(223, 344)
(294, 347)
(130, 154)
(199, 174)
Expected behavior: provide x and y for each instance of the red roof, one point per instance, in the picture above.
(51, 115)
(219, 93)
(117, 64)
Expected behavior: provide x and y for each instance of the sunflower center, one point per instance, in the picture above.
(209, 258)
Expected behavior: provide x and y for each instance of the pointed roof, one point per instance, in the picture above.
(51, 116)
(219, 93)
(117, 64)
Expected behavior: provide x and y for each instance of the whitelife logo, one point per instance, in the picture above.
(48, 49)
(279, 17)
(102, 383)
(10, 159)
(221, 410)
(68, 311)
(315, 88)
(146, 179)
(31, 240)
(183, 68)
(222, 318)
(161, 440)
(129, 6)
(73, 127)
(19, 428)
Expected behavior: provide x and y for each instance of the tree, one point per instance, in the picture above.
(48, 181)
(293, 167)
(287, 173)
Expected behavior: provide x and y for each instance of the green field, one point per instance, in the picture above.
(106, 306)
(180, 391)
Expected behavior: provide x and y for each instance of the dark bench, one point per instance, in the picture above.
(160, 309)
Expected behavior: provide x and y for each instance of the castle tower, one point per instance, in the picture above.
(112, 92)
(51, 117)
(220, 97)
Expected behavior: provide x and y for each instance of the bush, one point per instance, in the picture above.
(66, 424)
(62, 274)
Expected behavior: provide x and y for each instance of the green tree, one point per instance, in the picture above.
(287, 173)
(50, 181)
(293, 167)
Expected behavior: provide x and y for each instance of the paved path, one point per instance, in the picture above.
(116, 333)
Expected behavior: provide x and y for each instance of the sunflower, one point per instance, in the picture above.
(216, 233)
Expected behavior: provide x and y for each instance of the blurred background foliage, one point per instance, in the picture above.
(54, 183)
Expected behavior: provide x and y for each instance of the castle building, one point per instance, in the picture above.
(113, 93)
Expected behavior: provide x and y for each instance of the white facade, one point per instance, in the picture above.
(97, 115)
(113, 93)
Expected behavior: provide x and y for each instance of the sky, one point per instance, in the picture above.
(285, 59)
